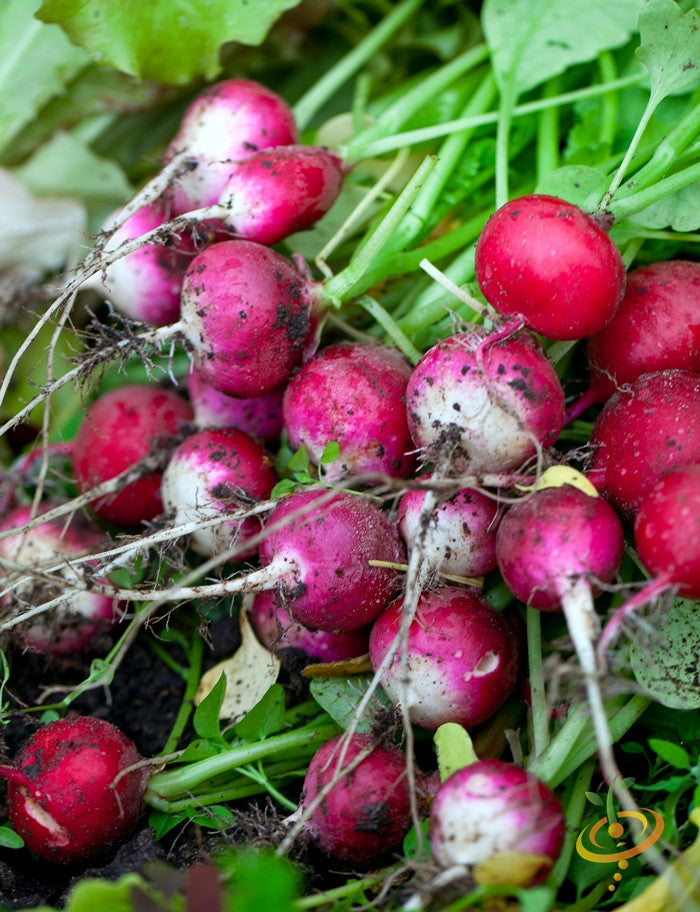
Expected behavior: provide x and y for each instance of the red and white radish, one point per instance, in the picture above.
(461, 657)
(642, 431)
(259, 416)
(491, 807)
(121, 428)
(551, 263)
(352, 394)
(225, 124)
(69, 626)
(76, 788)
(213, 473)
(484, 401)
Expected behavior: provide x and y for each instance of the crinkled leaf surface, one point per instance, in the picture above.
(36, 62)
(669, 47)
(532, 40)
(169, 41)
(679, 211)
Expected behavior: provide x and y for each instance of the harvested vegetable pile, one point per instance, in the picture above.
(350, 448)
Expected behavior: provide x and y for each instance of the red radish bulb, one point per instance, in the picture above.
(73, 625)
(550, 262)
(352, 394)
(120, 428)
(642, 431)
(490, 807)
(72, 791)
(259, 416)
(225, 124)
(367, 812)
(213, 473)
(461, 658)
(483, 400)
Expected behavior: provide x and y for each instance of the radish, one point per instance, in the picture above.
(356, 800)
(484, 401)
(75, 788)
(248, 317)
(655, 328)
(461, 532)
(280, 191)
(225, 124)
(212, 473)
(461, 660)
(259, 416)
(554, 548)
(491, 807)
(70, 626)
(316, 554)
(550, 262)
(642, 431)
(144, 285)
(353, 394)
(276, 629)
(120, 428)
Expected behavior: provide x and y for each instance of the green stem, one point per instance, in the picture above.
(326, 87)
(430, 307)
(548, 131)
(347, 890)
(629, 154)
(575, 808)
(609, 112)
(390, 327)
(505, 118)
(667, 151)
(194, 674)
(636, 202)
(540, 720)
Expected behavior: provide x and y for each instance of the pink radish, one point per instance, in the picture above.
(461, 532)
(491, 807)
(249, 317)
(144, 285)
(120, 428)
(461, 660)
(75, 789)
(550, 262)
(644, 430)
(361, 814)
(352, 394)
(657, 327)
(484, 400)
(259, 416)
(225, 124)
(276, 629)
(213, 473)
(73, 625)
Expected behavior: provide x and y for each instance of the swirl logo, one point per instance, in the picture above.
(588, 846)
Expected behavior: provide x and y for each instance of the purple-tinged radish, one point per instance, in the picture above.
(484, 401)
(75, 789)
(491, 807)
(144, 285)
(356, 811)
(259, 416)
(642, 431)
(657, 327)
(352, 394)
(460, 532)
(276, 629)
(316, 556)
(211, 474)
(548, 261)
(554, 548)
(73, 625)
(249, 317)
(280, 191)
(461, 658)
(225, 124)
(120, 428)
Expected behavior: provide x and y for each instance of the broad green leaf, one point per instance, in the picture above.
(340, 696)
(171, 41)
(577, 184)
(533, 40)
(669, 47)
(679, 211)
(672, 753)
(36, 62)
(265, 718)
(454, 749)
(259, 879)
(667, 666)
(206, 716)
(9, 839)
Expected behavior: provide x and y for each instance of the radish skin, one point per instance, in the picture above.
(259, 416)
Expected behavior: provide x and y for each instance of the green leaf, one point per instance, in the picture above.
(171, 41)
(36, 62)
(340, 696)
(679, 211)
(206, 716)
(330, 453)
(672, 753)
(669, 47)
(259, 879)
(9, 839)
(265, 718)
(92, 894)
(595, 799)
(577, 184)
(299, 461)
(533, 40)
